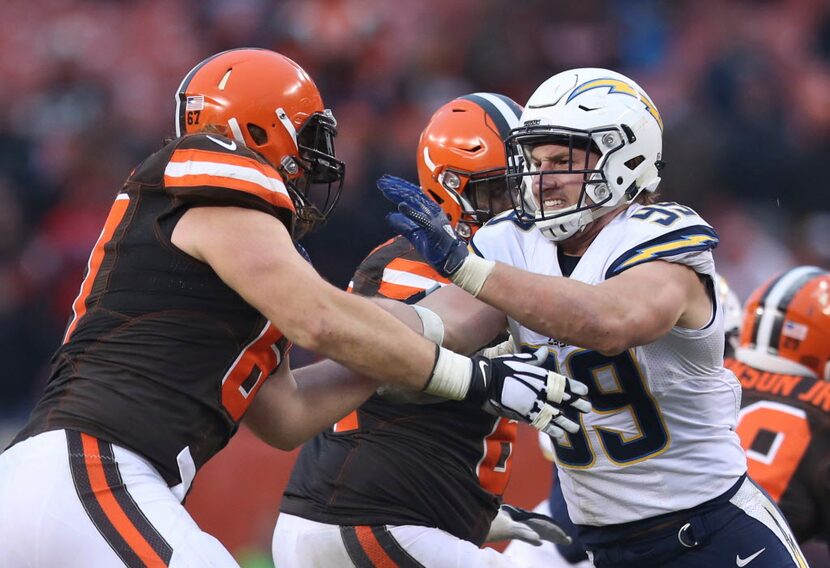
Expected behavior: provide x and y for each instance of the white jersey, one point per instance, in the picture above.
(661, 437)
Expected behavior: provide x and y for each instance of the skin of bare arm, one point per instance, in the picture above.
(293, 406)
(633, 308)
(253, 253)
(469, 324)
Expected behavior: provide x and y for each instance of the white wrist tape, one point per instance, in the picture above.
(506, 347)
(433, 325)
(544, 417)
(473, 273)
(451, 375)
(556, 387)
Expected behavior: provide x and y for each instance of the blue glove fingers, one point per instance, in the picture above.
(417, 215)
(402, 224)
(400, 191)
(410, 230)
(396, 189)
(423, 205)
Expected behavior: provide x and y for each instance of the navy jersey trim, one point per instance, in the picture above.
(681, 241)
(510, 216)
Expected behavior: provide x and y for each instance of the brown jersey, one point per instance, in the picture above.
(160, 356)
(785, 429)
(440, 465)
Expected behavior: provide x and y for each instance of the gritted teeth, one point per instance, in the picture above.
(554, 203)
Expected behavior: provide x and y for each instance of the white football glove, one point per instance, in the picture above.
(513, 523)
(513, 385)
(522, 390)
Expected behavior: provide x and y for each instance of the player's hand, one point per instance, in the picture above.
(513, 523)
(424, 224)
(517, 387)
(506, 347)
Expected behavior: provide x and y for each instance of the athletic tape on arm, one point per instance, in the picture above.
(433, 325)
(473, 273)
(451, 375)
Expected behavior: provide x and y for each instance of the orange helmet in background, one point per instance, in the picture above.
(269, 103)
(786, 327)
(461, 158)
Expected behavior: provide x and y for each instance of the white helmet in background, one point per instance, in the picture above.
(733, 314)
(596, 110)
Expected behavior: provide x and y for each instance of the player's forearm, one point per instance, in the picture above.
(291, 408)
(565, 309)
(465, 323)
(368, 340)
(469, 324)
(402, 312)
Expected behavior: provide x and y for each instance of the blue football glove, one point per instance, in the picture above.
(424, 224)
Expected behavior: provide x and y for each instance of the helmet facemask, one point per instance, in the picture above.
(595, 198)
(315, 177)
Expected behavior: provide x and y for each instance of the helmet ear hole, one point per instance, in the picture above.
(258, 134)
(634, 162)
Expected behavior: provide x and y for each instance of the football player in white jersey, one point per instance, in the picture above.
(573, 555)
(620, 289)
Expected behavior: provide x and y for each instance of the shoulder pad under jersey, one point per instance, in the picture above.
(395, 270)
(661, 231)
(212, 169)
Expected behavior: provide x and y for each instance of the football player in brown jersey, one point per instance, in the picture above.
(192, 296)
(418, 482)
(783, 364)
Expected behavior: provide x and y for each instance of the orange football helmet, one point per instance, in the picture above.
(786, 327)
(461, 158)
(269, 103)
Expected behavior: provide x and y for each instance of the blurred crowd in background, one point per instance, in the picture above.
(86, 92)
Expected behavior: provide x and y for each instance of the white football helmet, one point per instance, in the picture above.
(597, 110)
(733, 314)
